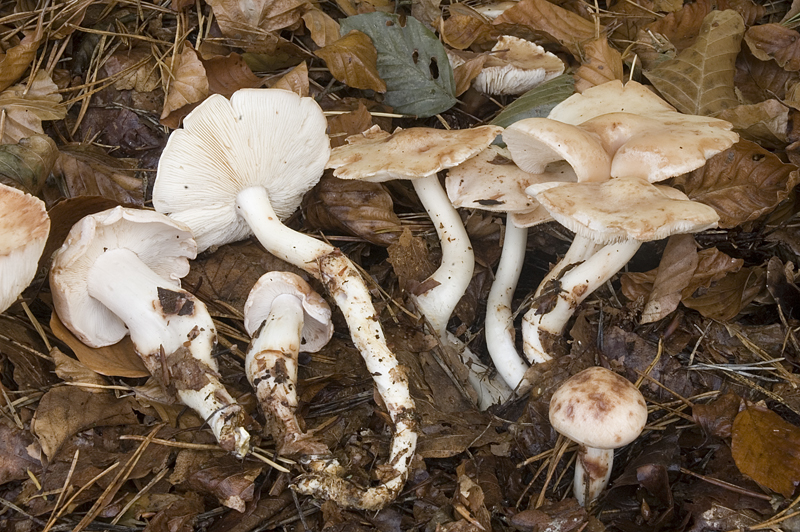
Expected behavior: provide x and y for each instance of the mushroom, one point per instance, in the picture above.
(24, 226)
(284, 316)
(118, 273)
(418, 154)
(600, 411)
(240, 166)
(516, 66)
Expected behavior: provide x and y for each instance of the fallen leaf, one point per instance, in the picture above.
(716, 418)
(467, 71)
(675, 271)
(628, 18)
(179, 516)
(426, 11)
(411, 61)
(699, 80)
(26, 107)
(135, 69)
(227, 74)
(27, 165)
(775, 41)
(548, 22)
(324, 30)
(469, 495)
(564, 516)
(600, 64)
(70, 370)
(741, 183)
(231, 483)
(537, 102)
(87, 171)
(16, 60)
(765, 122)
(17, 450)
(758, 80)
(188, 84)
(464, 27)
(296, 80)
(782, 287)
(353, 60)
(712, 265)
(767, 449)
(410, 260)
(724, 299)
(248, 20)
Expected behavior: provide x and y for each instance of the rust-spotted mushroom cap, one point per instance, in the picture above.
(24, 226)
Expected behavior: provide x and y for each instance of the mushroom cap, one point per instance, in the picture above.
(165, 245)
(317, 324)
(260, 137)
(492, 182)
(536, 142)
(598, 408)
(24, 226)
(610, 97)
(516, 66)
(623, 208)
(378, 156)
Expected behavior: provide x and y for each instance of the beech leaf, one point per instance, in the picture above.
(411, 61)
(353, 60)
(758, 80)
(601, 64)
(765, 122)
(724, 299)
(699, 80)
(15, 61)
(87, 171)
(767, 449)
(188, 85)
(675, 271)
(741, 183)
(26, 107)
(775, 41)
(296, 80)
(464, 27)
(324, 30)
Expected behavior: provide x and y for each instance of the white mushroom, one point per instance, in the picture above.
(118, 272)
(24, 226)
(516, 66)
(240, 166)
(418, 154)
(600, 411)
(284, 315)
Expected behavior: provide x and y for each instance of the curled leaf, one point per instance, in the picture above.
(27, 165)
(27, 106)
(87, 171)
(675, 271)
(724, 299)
(775, 41)
(324, 30)
(758, 80)
(464, 27)
(188, 84)
(296, 80)
(15, 61)
(601, 64)
(353, 60)
(765, 122)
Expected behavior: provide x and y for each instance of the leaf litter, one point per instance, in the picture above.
(705, 325)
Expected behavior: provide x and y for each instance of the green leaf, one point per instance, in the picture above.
(411, 60)
(537, 102)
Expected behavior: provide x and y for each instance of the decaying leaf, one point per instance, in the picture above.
(741, 183)
(188, 84)
(135, 69)
(71, 370)
(782, 287)
(412, 62)
(359, 208)
(87, 171)
(675, 271)
(18, 453)
(724, 299)
(227, 74)
(180, 515)
(564, 516)
(26, 107)
(464, 27)
(699, 80)
(410, 260)
(254, 21)
(765, 122)
(600, 64)
(758, 80)
(341, 126)
(27, 165)
(775, 41)
(767, 449)
(15, 61)
(466, 67)
(353, 60)
(324, 30)
(296, 80)
(548, 22)
(716, 418)
(470, 497)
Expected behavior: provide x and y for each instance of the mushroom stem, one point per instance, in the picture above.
(453, 277)
(499, 321)
(592, 472)
(344, 283)
(581, 249)
(543, 329)
(175, 343)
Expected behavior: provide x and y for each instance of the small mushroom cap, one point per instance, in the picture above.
(24, 226)
(536, 142)
(492, 182)
(165, 245)
(260, 137)
(317, 324)
(516, 66)
(378, 156)
(598, 408)
(623, 208)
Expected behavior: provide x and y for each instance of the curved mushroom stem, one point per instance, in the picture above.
(271, 367)
(174, 336)
(451, 281)
(592, 472)
(540, 331)
(499, 321)
(344, 283)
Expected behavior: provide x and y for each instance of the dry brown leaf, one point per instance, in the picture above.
(26, 108)
(775, 41)
(466, 72)
(410, 260)
(296, 80)
(675, 271)
(712, 266)
(464, 27)
(188, 85)
(118, 360)
(758, 80)
(323, 28)
(344, 125)
(70, 370)
(17, 447)
(716, 418)
(355, 207)
(767, 449)
(741, 183)
(353, 60)
(548, 22)
(601, 63)
(15, 61)
(87, 171)
(230, 482)
(469, 495)
(138, 68)
(426, 11)
(179, 516)
(629, 17)
(228, 73)
(699, 80)
(765, 122)
(248, 20)
(724, 299)
(27, 165)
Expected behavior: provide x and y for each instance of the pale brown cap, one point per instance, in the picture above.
(598, 408)
(24, 226)
(516, 66)
(610, 97)
(317, 324)
(378, 156)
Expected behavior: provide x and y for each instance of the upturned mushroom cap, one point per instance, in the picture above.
(24, 226)
(516, 66)
(165, 245)
(623, 208)
(598, 408)
(261, 137)
(535, 143)
(378, 156)
(317, 324)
